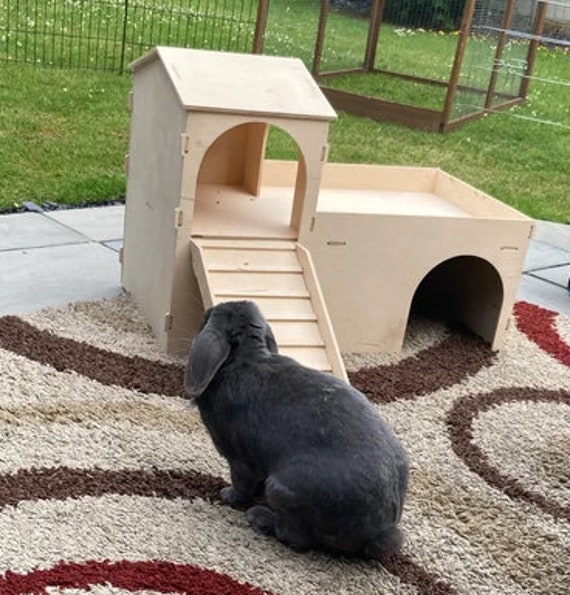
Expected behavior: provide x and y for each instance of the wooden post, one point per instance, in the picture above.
(376, 15)
(319, 44)
(507, 17)
(539, 18)
(260, 25)
(466, 21)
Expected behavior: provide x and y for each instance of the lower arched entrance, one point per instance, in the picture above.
(462, 291)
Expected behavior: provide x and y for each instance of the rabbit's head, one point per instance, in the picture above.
(230, 331)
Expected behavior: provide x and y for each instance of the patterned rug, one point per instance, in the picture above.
(109, 482)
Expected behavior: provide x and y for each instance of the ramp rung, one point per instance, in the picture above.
(247, 244)
(301, 334)
(224, 259)
(255, 269)
(308, 318)
(314, 357)
(297, 344)
(289, 309)
(241, 295)
(273, 284)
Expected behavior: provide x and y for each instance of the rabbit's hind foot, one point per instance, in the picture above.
(386, 542)
(262, 519)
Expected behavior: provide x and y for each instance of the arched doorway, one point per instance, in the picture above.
(464, 290)
(240, 194)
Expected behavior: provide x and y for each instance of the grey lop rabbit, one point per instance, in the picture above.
(310, 458)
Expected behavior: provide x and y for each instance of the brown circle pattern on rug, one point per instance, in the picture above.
(220, 554)
(460, 420)
(66, 355)
(61, 482)
(447, 363)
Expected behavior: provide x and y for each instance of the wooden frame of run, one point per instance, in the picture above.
(419, 117)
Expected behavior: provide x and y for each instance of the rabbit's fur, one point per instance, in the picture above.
(310, 458)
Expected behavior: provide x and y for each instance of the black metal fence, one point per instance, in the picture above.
(108, 34)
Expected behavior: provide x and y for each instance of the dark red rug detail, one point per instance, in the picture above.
(162, 577)
(539, 326)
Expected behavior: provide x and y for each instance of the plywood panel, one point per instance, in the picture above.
(479, 204)
(379, 177)
(236, 158)
(371, 265)
(323, 319)
(153, 192)
(386, 202)
(241, 83)
(223, 211)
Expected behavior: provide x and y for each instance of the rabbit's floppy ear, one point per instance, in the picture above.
(270, 341)
(207, 354)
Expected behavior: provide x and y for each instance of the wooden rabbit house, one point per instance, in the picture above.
(335, 255)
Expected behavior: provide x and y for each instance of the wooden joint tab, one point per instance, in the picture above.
(178, 218)
(185, 143)
(168, 322)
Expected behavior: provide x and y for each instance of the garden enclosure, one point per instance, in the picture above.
(109, 34)
(431, 65)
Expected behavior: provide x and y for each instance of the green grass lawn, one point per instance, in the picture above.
(64, 133)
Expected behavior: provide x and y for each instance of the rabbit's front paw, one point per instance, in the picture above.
(230, 496)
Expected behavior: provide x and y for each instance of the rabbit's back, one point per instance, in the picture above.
(303, 409)
(320, 429)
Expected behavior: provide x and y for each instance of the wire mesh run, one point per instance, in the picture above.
(499, 62)
(435, 65)
(108, 34)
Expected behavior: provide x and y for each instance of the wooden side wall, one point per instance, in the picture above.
(153, 193)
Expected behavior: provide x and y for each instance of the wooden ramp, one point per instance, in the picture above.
(278, 275)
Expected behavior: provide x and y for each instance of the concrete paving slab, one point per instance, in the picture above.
(558, 275)
(544, 294)
(100, 224)
(34, 230)
(57, 275)
(542, 256)
(555, 234)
